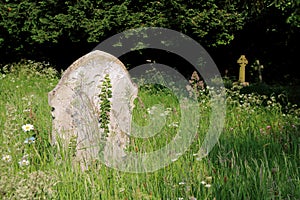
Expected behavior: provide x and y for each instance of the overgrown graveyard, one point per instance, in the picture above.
(257, 156)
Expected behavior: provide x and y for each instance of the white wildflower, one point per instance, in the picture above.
(6, 158)
(27, 127)
(24, 162)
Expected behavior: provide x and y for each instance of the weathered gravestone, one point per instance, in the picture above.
(258, 67)
(242, 61)
(91, 108)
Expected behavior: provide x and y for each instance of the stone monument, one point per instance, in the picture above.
(259, 68)
(242, 61)
(91, 109)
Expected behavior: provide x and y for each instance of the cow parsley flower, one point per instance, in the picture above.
(6, 158)
(203, 182)
(24, 162)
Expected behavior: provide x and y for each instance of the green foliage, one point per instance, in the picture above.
(105, 104)
(30, 29)
(72, 146)
(291, 8)
(29, 23)
(31, 69)
(257, 156)
(287, 96)
(289, 11)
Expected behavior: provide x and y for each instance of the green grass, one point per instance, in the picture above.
(257, 156)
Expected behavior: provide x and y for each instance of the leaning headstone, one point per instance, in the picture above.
(91, 108)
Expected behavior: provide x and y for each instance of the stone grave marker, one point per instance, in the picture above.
(242, 61)
(259, 68)
(95, 82)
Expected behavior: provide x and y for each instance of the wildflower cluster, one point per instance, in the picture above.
(154, 110)
(28, 129)
(249, 101)
(29, 69)
(237, 97)
(207, 182)
(196, 85)
(167, 112)
(24, 161)
(23, 185)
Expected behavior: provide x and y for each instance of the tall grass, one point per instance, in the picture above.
(257, 156)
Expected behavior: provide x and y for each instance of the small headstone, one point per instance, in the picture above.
(242, 61)
(95, 82)
(258, 67)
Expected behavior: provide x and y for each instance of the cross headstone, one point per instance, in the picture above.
(242, 61)
(258, 67)
(76, 108)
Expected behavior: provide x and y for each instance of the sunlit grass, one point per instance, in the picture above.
(257, 156)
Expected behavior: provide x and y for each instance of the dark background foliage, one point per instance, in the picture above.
(60, 31)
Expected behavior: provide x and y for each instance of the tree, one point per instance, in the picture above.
(63, 30)
(28, 27)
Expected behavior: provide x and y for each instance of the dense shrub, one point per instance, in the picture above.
(29, 26)
(63, 30)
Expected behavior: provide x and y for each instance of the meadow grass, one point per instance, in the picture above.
(257, 156)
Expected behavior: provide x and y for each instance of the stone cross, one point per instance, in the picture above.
(77, 103)
(258, 67)
(242, 61)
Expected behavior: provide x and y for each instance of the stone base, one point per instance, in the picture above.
(241, 83)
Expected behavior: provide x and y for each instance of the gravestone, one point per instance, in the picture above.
(258, 67)
(242, 61)
(76, 108)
